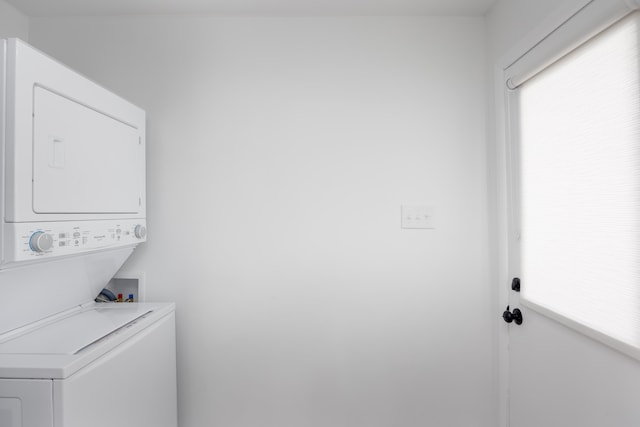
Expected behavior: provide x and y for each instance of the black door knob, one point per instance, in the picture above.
(512, 316)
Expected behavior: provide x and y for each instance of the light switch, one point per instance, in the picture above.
(417, 216)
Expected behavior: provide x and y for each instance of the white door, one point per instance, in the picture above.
(561, 378)
(574, 240)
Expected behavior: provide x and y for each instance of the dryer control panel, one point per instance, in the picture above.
(32, 241)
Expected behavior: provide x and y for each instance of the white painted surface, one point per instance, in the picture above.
(279, 151)
(510, 21)
(13, 22)
(557, 377)
(253, 7)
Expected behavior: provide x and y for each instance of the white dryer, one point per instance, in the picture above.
(73, 208)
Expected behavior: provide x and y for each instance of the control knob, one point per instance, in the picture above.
(40, 241)
(140, 231)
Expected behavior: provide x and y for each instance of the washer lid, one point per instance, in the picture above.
(72, 334)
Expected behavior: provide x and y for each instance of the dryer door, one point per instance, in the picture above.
(84, 161)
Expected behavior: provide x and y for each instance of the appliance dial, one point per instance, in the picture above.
(140, 231)
(40, 241)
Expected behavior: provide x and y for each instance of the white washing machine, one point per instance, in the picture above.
(101, 365)
(73, 209)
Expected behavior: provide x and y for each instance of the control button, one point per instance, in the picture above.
(40, 241)
(140, 231)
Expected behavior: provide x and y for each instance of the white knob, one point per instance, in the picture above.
(40, 241)
(140, 231)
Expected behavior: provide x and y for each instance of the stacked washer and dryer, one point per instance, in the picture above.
(73, 203)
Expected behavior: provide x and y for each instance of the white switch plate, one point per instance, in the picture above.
(417, 216)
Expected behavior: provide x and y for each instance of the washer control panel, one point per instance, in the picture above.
(31, 241)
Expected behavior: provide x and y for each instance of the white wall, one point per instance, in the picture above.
(509, 21)
(279, 153)
(13, 23)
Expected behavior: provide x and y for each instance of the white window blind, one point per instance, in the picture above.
(578, 132)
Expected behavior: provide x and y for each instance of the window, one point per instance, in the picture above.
(576, 128)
